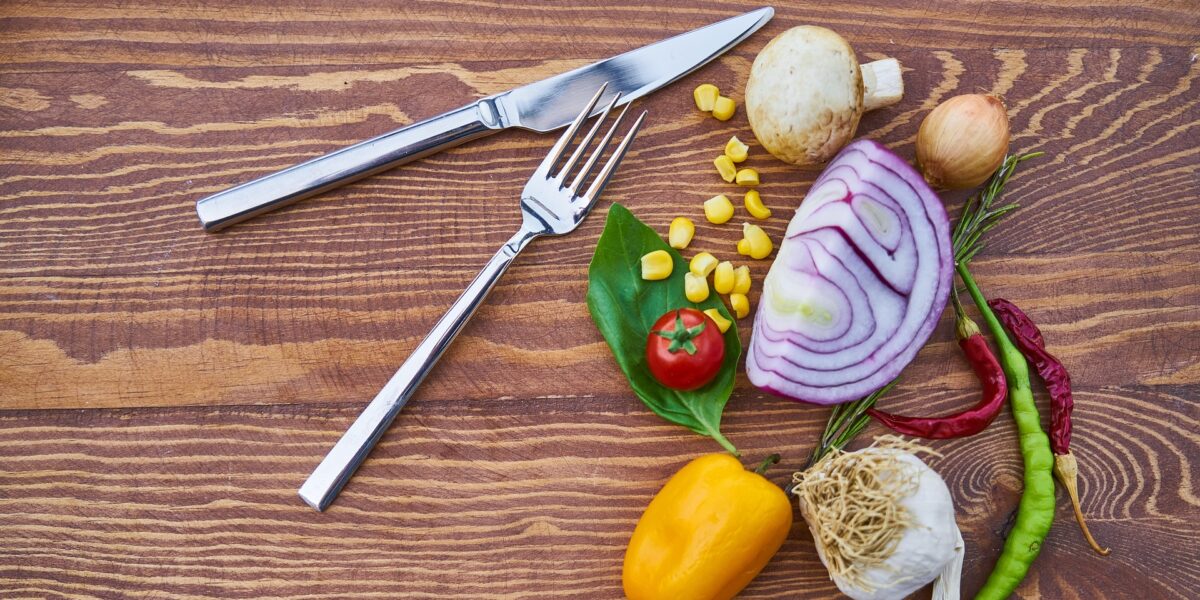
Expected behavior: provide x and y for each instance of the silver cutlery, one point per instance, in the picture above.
(553, 203)
(541, 106)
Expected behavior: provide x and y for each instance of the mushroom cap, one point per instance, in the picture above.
(805, 95)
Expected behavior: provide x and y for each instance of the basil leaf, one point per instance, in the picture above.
(625, 307)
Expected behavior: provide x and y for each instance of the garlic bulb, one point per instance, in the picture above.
(963, 141)
(883, 522)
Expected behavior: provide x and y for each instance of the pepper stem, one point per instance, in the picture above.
(1067, 471)
(963, 325)
(766, 463)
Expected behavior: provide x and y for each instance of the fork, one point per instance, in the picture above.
(550, 205)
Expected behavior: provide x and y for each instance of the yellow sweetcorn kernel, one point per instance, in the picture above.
(740, 305)
(744, 247)
(722, 323)
(657, 265)
(760, 243)
(725, 168)
(681, 233)
(706, 95)
(746, 177)
(723, 278)
(695, 287)
(755, 206)
(741, 280)
(718, 209)
(723, 108)
(702, 264)
(736, 150)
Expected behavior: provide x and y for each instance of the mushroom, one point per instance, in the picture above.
(807, 92)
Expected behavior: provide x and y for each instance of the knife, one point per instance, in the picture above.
(541, 106)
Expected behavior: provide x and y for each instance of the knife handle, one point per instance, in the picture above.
(340, 167)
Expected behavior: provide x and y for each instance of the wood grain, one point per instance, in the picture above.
(163, 392)
(324, 336)
(521, 498)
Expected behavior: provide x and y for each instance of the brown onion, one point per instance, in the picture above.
(963, 141)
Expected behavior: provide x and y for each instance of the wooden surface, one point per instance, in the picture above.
(163, 392)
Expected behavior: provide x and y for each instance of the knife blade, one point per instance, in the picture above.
(541, 106)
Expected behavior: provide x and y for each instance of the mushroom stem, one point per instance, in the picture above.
(882, 83)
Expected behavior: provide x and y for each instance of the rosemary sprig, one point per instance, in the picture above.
(845, 422)
(977, 218)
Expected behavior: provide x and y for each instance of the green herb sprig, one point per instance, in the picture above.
(978, 217)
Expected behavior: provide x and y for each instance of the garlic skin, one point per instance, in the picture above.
(925, 549)
(963, 141)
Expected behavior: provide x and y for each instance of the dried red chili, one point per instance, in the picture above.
(1029, 340)
(974, 419)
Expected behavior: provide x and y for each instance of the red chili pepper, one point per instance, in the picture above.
(974, 419)
(1030, 342)
(1028, 339)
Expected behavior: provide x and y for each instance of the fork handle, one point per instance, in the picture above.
(352, 449)
(352, 163)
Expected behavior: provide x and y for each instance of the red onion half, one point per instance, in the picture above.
(859, 282)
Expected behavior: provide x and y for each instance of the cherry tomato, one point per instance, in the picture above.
(685, 349)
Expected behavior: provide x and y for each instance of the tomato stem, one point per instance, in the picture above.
(681, 337)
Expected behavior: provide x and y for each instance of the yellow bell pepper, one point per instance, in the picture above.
(707, 533)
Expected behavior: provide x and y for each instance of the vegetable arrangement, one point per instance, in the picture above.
(861, 277)
(1035, 512)
(1029, 341)
(625, 308)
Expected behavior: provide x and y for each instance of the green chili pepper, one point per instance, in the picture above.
(1036, 510)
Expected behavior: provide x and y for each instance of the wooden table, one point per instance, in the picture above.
(164, 391)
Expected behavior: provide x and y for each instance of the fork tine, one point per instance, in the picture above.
(597, 153)
(561, 145)
(613, 161)
(587, 139)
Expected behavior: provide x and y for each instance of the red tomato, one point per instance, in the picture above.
(685, 349)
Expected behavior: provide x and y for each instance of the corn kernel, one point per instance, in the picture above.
(740, 305)
(760, 243)
(681, 233)
(702, 264)
(695, 287)
(718, 318)
(718, 209)
(723, 278)
(746, 177)
(657, 265)
(744, 247)
(755, 206)
(706, 95)
(736, 150)
(725, 168)
(741, 280)
(723, 108)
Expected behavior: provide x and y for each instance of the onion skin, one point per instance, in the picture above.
(963, 141)
(859, 282)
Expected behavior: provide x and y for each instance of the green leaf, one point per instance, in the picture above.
(625, 307)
